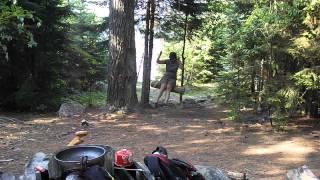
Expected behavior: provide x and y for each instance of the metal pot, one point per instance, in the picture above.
(80, 157)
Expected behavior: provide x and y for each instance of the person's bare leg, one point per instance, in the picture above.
(168, 90)
(162, 88)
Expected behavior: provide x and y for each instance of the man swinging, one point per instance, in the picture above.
(168, 80)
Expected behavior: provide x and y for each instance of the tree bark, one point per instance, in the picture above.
(122, 75)
(151, 29)
(145, 90)
(183, 50)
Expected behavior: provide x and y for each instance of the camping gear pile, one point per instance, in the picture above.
(97, 162)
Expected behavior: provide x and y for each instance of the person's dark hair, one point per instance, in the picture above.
(173, 56)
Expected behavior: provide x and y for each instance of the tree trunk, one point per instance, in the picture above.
(261, 86)
(145, 90)
(122, 75)
(183, 50)
(151, 29)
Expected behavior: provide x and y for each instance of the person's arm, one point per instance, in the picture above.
(160, 61)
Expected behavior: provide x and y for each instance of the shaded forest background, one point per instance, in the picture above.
(261, 55)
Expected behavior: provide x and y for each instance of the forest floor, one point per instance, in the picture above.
(198, 133)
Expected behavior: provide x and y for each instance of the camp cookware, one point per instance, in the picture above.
(80, 157)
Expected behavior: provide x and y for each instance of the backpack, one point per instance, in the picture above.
(170, 169)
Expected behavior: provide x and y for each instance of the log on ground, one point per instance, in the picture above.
(177, 89)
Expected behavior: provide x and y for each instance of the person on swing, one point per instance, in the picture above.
(168, 80)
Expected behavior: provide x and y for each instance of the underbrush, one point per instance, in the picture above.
(201, 90)
(89, 99)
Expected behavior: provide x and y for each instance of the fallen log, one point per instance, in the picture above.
(177, 89)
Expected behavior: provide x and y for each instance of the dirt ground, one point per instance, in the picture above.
(199, 134)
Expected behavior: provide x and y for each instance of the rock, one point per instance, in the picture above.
(84, 122)
(112, 109)
(189, 101)
(100, 86)
(39, 159)
(202, 99)
(122, 111)
(17, 149)
(211, 173)
(7, 176)
(41, 107)
(301, 173)
(70, 109)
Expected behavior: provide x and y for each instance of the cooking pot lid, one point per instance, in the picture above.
(76, 153)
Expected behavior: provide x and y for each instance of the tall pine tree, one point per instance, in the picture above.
(122, 75)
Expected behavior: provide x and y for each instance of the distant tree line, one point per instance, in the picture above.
(263, 54)
(48, 49)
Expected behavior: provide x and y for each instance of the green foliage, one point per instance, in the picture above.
(87, 49)
(262, 53)
(307, 78)
(286, 100)
(201, 90)
(51, 48)
(25, 95)
(280, 120)
(90, 99)
(12, 26)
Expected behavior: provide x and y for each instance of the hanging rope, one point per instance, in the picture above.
(139, 69)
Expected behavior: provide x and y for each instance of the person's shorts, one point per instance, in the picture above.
(168, 80)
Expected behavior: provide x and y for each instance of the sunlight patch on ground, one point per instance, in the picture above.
(199, 141)
(212, 120)
(292, 159)
(222, 130)
(273, 172)
(190, 130)
(43, 121)
(173, 146)
(61, 123)
(108, 120)
(99, 115)
(103, 122)
(151, 128)
(14, 126)
(172, 128)
(286, 147)
(180, 151)
(123, 125)
(10, 137)
(194, 126)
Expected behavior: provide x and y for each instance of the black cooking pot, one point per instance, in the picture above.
(80, 157)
